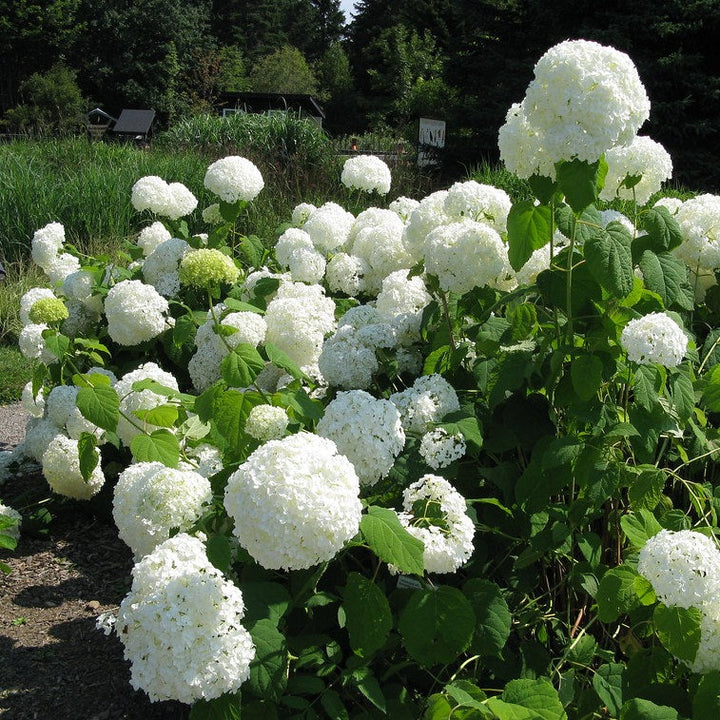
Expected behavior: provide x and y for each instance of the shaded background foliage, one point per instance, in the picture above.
(464, 61)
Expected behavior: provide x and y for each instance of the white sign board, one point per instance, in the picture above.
(431, 135)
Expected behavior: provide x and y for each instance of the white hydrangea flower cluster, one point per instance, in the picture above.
(464, 255)
(346, 274)
(181, 626)
(403, 207)
(585, 99)
(29, 299)
(134, 400)
(428, 401)
(684, 569)
(204, 459)
(699, 220)
(204, 365)
(301, 213)
(135, 312)
(642, 157)
(160, 267)
(32, 344)
(654, 338)
(45, 250)
(234, 178)
(33, 405)
(401, 302)
(61, 468)
(367, 431)
(348, 358)
(170, 200)
(447, 545)
(254, 277)
(151, 236)
(329, 227)
(267, 422)
(13, 515)
(368, 173)
(207, 269)
(78, 287)
(439, 448)
(298, 319)
(429, 214)
(294, 502)
(479, 202)
(62, 411)
(150, 500)
(295, 250)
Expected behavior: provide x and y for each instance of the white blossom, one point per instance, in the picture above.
(234, 178)
(368, 173)
(654, 338)
(135, 312)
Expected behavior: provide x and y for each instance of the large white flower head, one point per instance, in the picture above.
(382, 249)
(699, 220)
(150, 500)
(368, 173)
(373, 217)
(480, 202)
(46, 244)
(683, 567)
(654, 338)
(61, 409)
(61, 468)
(29, 299)
(295, 250)
(643, 158)
(346, 274)
(132, 401)
(428, 401)
(298, 319)
(135, 312)
(367, 431)
(160, 268)
(63, 265)
(33, 405)
(707, 657)
(585, 99)
(234, 178)
(181, 626)
(79, 286)
(436, 513)
(403, 207)
(294, 502)
(301, 213)
(171, 200)
(428, 215)
(439, 449)
(464, 255)
(329, 227)
(347, 361)
(400, 303)
(267, 422)
(151, 236)
(32, 343)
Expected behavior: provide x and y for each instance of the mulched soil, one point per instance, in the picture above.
(54, 664)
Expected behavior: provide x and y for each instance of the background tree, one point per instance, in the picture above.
(284, 71)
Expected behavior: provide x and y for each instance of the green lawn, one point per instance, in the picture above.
(16, 371)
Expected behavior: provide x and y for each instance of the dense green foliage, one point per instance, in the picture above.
(464, 61)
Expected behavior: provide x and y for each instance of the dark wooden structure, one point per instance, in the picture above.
(134, 125)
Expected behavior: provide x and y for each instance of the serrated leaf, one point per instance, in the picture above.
(711, 389)
(493, 618)
(239, 306)
(333, 705)
(225, 707)
(666, 275)
(281, 359)
(466, 424)
(99, 405)
(682, 393)
(706, 701)
(662, 229)
(523, 320)
(580, 181)
(586, 376)
(160, 446)
(369, 687)
(160, 416)
(616, 593)
(646, 489)
(529, 227)
(436, 625)
(610, 684)
(264, 601)
(646, 384)
(679, 630)
(268, 670)
(609, 259)
(639, 527)
(536, 695)
(640, 709)
(219, 551)
(368, 618)
(183, 330)
(87, 454)
(390, 541)
(240, 367)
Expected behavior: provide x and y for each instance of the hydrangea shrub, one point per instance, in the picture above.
(453, 457)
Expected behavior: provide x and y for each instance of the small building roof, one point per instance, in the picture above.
(134, 122)
(101, 113)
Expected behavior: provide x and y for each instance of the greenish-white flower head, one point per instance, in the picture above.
(208, 268)
(48, 310)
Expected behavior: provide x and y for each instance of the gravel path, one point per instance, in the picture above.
(12, 425)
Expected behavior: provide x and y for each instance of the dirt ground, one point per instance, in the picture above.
(54, 664)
